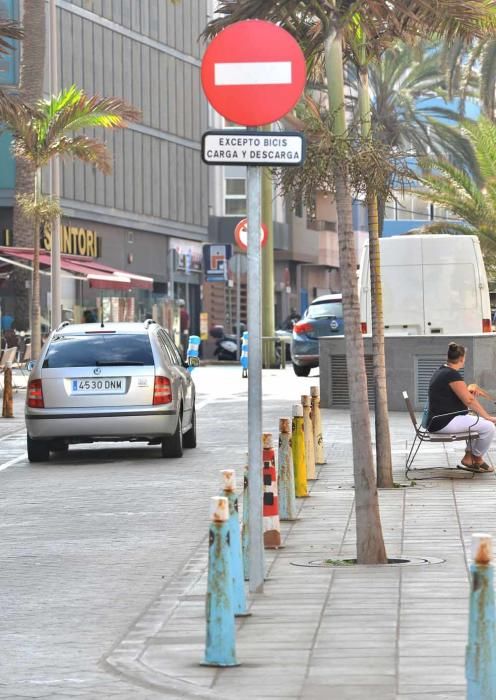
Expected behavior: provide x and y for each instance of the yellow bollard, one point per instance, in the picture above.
(308, 431)
(8, 398)
(298, 447)
(318, 440)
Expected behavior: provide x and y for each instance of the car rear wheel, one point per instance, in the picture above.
(301, 371)
(59, 446)
(38, 450)
(173, 446)
(189, 438)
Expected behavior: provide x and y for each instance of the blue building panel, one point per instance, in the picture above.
(9, 63)
(396, 228)
(7, 171)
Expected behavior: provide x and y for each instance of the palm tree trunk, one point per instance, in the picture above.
(31, 88)
(35, 302)
(382, 434)
(384, 465)
(370, 541)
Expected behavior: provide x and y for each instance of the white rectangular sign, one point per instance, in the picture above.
(253, 73)
(238, 147)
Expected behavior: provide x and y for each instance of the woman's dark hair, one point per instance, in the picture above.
(455, 351)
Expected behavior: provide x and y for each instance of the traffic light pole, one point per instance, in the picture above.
(257, 566)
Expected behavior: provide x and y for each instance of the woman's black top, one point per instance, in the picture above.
(442, 398)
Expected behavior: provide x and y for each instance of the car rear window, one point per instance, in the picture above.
(98, 349)
(325, 309)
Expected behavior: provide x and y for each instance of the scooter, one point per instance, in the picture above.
(226, 345)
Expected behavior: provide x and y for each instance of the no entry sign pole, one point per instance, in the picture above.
(257, 559)
(253, 73)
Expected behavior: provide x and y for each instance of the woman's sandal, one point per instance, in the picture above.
(472, 467)
(485, 468)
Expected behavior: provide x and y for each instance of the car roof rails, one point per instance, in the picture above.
(148, 322)
(63, 325)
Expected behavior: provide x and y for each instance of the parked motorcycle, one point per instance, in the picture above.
(226, 345)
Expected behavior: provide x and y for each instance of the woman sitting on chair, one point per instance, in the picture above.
(449, 403)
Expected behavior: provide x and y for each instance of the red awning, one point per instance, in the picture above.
(97, 275)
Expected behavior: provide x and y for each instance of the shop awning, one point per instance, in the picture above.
(97, 275)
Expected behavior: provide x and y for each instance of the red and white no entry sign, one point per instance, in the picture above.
(241, 234)
(253, 72)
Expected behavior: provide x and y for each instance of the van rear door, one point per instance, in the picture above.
(453, 285)
(402, 283)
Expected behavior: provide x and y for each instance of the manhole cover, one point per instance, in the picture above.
(341, 563)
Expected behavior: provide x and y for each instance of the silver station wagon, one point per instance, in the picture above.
(109, 382)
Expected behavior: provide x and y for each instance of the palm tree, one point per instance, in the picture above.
(9, 30)
(330, 21)
(469, 194)
(407, 90)
(45, 130)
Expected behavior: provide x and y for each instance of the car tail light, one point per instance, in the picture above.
(35, 394)
(486, 325)
(162, 391)
(363, 327)
(302, 327)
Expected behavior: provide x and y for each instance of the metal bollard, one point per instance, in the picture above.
(193, 352)
(306, 402)
(244, 354)
(272, 525)
(298, 449)
(480, 659)
(318, 440)
(245, 534)
(237, 574)
(220, 644)
(8, 397)
(285, 472)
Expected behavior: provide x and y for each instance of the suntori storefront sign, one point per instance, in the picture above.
(75, 241)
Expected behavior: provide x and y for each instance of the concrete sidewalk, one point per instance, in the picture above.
(339, 633)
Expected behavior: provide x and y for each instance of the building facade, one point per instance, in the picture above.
(150, 216)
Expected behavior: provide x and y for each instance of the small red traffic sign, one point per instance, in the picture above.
(241, 234)
(253, 72)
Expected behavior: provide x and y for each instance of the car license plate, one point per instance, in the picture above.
(105, 385)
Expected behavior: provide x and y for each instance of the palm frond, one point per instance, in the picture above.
(445, 227)
(9, 30)
(396, 18)
(488, 78)
(85, 149)
(72, 110)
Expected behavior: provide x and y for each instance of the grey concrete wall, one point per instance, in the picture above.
(410, 361)
(147, 52)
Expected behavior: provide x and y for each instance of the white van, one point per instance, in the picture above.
(430, 284)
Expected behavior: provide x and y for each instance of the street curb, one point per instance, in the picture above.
(125, 659)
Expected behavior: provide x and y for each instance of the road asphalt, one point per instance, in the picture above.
(321, 630)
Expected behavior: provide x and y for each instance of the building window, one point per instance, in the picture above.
(408, 208)
(235, 190)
